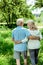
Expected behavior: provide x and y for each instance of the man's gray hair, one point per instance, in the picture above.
(19, 21)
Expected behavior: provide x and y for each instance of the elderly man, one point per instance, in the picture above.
(18, 34)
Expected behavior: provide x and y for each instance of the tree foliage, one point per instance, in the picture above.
(10, 10)
(39, 3)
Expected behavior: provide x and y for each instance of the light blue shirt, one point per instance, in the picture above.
(18, 34)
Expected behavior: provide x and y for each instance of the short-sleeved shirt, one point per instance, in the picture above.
(34, 44)
(18, 34)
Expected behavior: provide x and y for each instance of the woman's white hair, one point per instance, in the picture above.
(19, 21)
(30, 21)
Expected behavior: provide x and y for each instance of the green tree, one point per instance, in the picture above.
(39, 3)
(10, 10)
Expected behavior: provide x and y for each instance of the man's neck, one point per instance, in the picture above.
(20, 26)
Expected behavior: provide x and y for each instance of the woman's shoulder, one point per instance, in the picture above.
(37, 30)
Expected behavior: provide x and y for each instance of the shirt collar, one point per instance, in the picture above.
(19, 26)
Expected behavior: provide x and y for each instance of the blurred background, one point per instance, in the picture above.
(10, 11)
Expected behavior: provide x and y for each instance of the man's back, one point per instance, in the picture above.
(19, 33)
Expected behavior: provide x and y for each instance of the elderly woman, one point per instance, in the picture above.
(34, 41)
(34, 45)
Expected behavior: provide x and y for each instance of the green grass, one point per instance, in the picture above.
(6, 49)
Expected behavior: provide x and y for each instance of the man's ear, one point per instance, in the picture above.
(21, 23)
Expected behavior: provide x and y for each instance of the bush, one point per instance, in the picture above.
(41, 48)
(5, 33)
(3, 60)
(41, 31)
(40, 62)
(6, 44)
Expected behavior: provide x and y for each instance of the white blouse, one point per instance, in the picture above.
(34, 44)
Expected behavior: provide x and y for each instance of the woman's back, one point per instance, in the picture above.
(34, 44)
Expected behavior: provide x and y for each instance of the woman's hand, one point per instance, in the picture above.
(17, 42)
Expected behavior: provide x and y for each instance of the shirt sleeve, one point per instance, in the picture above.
(12, 34)
(27, 33)
(40, 35)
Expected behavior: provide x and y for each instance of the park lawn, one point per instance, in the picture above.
(6, 49)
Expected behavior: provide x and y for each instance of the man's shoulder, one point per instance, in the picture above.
(28, 29)
(24, 28)
(13, 29)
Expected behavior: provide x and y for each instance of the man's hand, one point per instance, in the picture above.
(34, 38)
